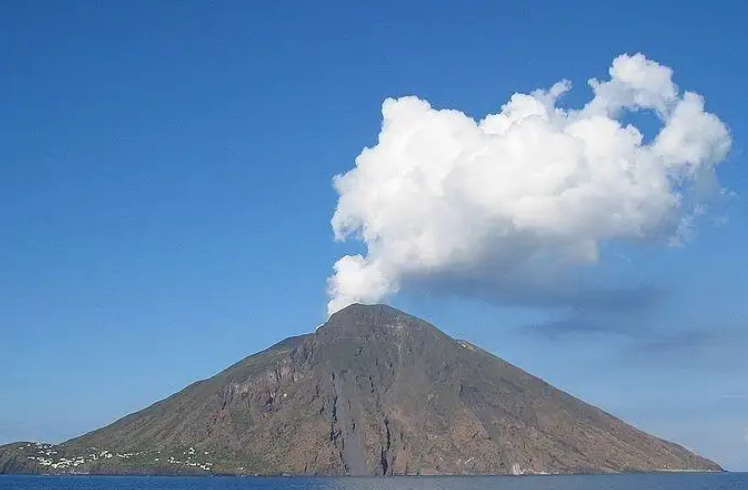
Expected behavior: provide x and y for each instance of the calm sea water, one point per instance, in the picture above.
(728, 481)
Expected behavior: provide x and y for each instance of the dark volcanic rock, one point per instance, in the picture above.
(373, 391)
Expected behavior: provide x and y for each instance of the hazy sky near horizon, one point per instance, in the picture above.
(167, 196)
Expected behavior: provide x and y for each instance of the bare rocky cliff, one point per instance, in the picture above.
(373, 391)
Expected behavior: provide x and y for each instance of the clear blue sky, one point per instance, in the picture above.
(165, 196)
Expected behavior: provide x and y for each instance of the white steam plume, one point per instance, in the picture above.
(442, 195)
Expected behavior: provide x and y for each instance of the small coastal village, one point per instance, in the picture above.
(61, 459)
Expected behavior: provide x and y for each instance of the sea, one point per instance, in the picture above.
(690, 481)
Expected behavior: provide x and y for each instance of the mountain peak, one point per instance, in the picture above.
(362, 318)
(359, 310)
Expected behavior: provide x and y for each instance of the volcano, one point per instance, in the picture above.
(374, 391)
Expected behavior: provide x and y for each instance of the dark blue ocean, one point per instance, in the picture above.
(725, 481)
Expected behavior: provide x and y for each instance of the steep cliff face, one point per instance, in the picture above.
(373, 391)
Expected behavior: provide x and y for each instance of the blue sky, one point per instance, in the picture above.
(166, 195)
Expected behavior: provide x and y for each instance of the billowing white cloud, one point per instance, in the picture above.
(528, 189)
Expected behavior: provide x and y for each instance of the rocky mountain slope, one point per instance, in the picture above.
(373, 391)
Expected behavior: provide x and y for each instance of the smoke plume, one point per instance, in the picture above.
(528, 192)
